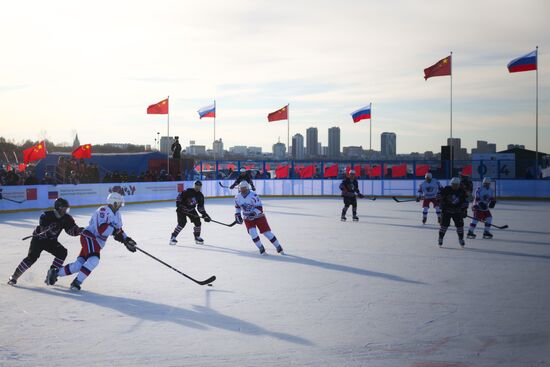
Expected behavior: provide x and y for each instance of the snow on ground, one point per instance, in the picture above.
(378, 292)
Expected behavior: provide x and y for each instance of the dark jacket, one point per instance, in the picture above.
(244, 177)
(350, 188)
(176, 149)
(188, 200)
(453, 201)
(50, 226)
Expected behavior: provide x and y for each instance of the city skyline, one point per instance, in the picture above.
(100, 81)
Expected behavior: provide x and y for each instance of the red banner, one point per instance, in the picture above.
(422, 169)
(281, 172)
(399, 171)
(331, 171)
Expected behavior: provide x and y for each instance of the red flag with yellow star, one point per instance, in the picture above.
(35, 152)
(281, 114)
(160, 108)
(440, 68)
(83, 151)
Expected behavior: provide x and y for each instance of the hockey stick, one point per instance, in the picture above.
(13, 201)
(48, 228)
(402, 201)
(371, 198)
(222, 185)
(492, 225)
(200, 282)
(215, 221)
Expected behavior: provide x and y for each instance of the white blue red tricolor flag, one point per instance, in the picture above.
(361, 114)
(208, 111)
(523, 63)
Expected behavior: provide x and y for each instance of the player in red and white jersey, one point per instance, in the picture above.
(428, 191)
(251, 206)
(484, 199)
(106, 221)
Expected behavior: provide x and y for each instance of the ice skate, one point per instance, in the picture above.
(262, 250)
(424, 220)
(355, 218)
(439, 219)
(75, 285)
(487, 235)
(471, 235)
(51, 276)
(343, 218)
(12, 280)
(199, 240)
(440, 242)
(462, 243)
(173, 241)
(280, 250)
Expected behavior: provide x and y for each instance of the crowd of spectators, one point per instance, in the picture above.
(74, 171)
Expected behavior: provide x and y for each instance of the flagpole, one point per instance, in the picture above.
(370, 134)
(214, 144)
(168, 137)
(452, 141)
(537, 117)
(288, 129)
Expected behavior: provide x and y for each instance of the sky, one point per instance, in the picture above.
(92, 68)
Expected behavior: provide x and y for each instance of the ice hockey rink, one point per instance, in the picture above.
(378, 292)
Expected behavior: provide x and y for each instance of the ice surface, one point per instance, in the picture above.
(374, 293)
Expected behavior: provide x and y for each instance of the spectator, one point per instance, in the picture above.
(176, 148)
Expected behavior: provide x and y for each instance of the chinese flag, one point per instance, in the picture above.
(281, 114)
(422, 169)
(83, 151)
(34, 153)
(160, 108)
(267, 167)
(440, 68)
(375, 171)
(467, 170)
(22, 167)
(281, 172)
(307, 172)
(399, 171)
(331, 171)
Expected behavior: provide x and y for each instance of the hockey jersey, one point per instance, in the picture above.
(103, 224)
(189, 199)
(50, 226)
(429, 190)
(483, 198)
(251, 205)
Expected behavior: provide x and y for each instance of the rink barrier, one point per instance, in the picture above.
(42, 196)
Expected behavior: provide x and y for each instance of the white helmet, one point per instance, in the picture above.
(244, 184)
(486, 181)
(242, 170)
(115, 199)
(351, 171)
(455, 181)
(428, 176)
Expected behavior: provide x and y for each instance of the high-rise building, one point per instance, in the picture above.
(484, 147)
(166, 144)
(217, 147)
(458, 152)
(279, 150)
(76, 142)
(311, 142)
(334, 142)
(298, 151)
(388, 147)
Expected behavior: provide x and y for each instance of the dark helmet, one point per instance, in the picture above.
(198, 183)
(60, 203)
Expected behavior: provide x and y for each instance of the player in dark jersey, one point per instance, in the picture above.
(45, 238)
(186, 203)
(350, 192)
(243, 176)
(454, 204)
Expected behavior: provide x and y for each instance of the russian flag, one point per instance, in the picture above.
(53, 194)
(208, 111)
(361, 114)
(523, 63)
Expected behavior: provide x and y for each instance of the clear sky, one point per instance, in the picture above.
(94, 67)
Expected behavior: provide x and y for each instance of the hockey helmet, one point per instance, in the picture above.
(244, 187)
(486, 182)
(428, 176)
(198, 183)
(351, 172)
(115, 200)
(455, 182)
(242, 170)
(61, 206)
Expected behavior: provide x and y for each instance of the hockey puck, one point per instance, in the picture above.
(210, 285)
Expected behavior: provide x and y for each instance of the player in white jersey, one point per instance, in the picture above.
(106, 221)
(483, 200)
(428, 191)
(251, 206)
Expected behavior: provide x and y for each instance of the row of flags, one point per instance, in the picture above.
(38, 151)
(441, 68)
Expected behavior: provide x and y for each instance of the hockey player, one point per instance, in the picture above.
(468, 186)
(185, 207)
(484, 199)
(45, 238)
(251, 206)
(454, 204)
(106, 221)
(428, 191)
(350, 192)
(244, 176)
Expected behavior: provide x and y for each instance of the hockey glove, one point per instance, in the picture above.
(361, 196)
(238, 218)
(482, 206)
(130, 244)
(119, 236)
(206, 217)
(253, 188)
(232, 186)
(492, 204)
